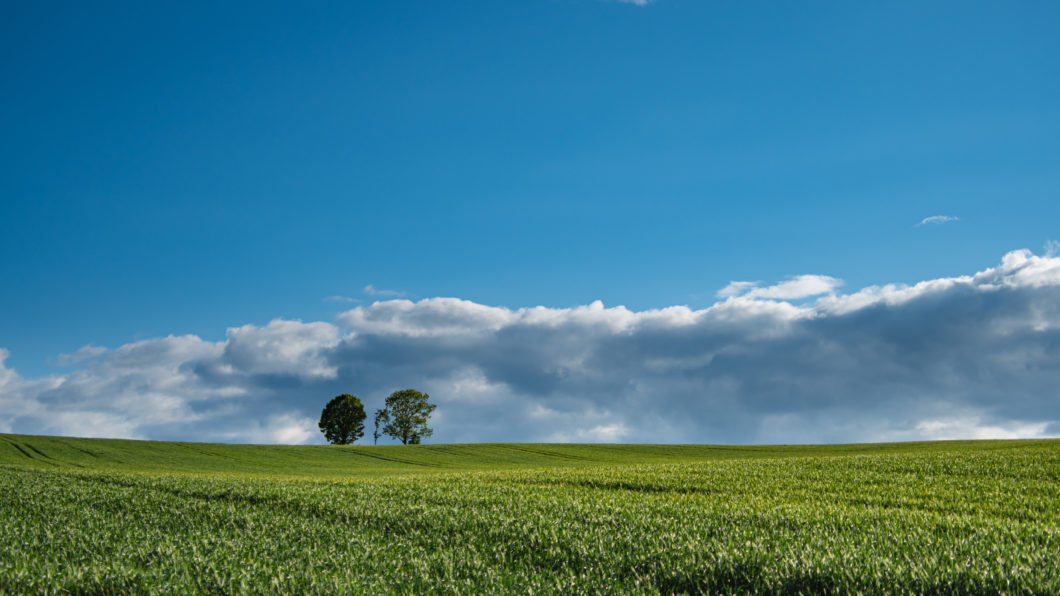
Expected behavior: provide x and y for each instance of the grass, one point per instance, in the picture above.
(98, 516)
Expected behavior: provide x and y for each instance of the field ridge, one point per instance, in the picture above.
(331, 460)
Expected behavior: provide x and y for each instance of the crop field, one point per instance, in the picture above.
(107, 516)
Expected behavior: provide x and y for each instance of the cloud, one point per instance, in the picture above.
(374, 291)
(1052, 248)
(973, 428)
(290, 348)
(604, 433)
(341, 299)
(83, 353)
(635, 2)
(736, 288)
(937, 219)
(288, 429)
(973, 356)
(801, 286)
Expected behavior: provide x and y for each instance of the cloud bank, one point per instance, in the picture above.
(975, 356)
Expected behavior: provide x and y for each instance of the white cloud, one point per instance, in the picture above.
(454, 318)
(470, 385)
(604, 433)
(431, 317)
(282, 347)
(96, 424)
(937, 219)
(83, 353)
(374, 291)
(1052, 248)
(961, 357)
(735, 288)
(285, 429)
(972, 427)
(800, 286)
(1018, 269)
(636, 2)
(341, 299)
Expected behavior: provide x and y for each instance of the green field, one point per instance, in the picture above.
(110, 516)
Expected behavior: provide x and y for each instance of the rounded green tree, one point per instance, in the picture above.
(342, 420)
(405, 416)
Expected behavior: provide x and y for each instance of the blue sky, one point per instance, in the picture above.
(186, 168)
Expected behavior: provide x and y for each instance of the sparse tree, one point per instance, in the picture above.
(406, 414)
(381, 420)
(342, 420)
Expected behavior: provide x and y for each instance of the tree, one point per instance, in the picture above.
(405, 416)
(381, 418)
(342, 420)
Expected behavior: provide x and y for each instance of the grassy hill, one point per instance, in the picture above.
(335, 461)
(114, 516)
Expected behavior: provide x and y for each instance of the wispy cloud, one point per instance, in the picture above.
(972, 356)
(1052, 248)
(374, 291)
(83, 353)
(937, 219)
(735, 288)
(800, 286)
(635, 2)
(337, 298)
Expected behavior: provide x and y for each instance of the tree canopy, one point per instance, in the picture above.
(405, 416)
(342, 420)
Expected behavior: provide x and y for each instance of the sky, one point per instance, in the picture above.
(566, 220)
